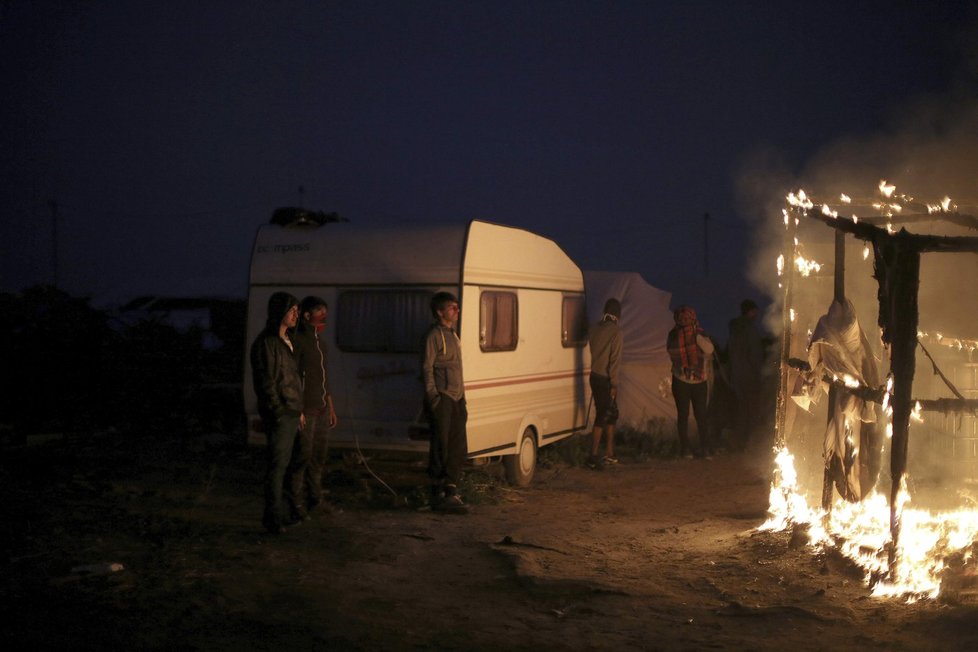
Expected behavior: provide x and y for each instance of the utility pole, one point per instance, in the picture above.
(706, 244)
(54, 239)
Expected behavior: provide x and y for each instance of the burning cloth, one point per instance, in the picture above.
(839, 349)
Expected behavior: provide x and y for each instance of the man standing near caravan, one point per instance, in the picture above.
(606, 346)
(278, 388)
(445, 397)
(312, 444)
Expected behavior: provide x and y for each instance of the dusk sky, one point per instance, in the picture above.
(167, 132)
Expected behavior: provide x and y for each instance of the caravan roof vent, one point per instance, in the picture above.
(293, 216)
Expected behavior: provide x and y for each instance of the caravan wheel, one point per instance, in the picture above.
(521, 466)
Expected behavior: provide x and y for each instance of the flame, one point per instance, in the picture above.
(866, 252)
(805, 266)
(845, 199)
(786, 504)
(916, 414)
(886, 189)
(860, 531)
(800, 200)
(781, 265)
(828, 211)
(791, 313)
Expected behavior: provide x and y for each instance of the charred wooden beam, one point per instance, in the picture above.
(967, 221)
(915, 242)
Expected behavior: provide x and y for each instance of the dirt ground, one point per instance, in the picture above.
(653, 554)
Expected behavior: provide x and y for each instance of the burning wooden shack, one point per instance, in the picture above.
(853, 452)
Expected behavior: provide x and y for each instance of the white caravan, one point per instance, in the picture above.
(523, 330)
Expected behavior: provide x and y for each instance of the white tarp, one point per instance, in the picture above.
(645, 323)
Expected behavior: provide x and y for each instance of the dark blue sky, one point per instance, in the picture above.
(168, 131)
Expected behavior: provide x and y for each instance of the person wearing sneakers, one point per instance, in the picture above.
(441, 370)
(689, 350)
(278, 388)
(605, 342)
(305, 477)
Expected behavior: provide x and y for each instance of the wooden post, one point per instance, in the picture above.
(787, 275)
(899, 300)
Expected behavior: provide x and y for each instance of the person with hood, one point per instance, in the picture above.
(605, 342)
(309, 455)
(441, 370)
(278, 387)
(689, 350)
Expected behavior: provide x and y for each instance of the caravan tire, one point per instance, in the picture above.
(521, 466)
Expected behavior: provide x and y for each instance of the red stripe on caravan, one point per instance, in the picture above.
(520, 380)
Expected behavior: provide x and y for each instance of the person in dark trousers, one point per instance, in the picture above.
(279, 390)
(746, 350)
(689, 349)
(305, 477)
(441, 371)
(605, 342)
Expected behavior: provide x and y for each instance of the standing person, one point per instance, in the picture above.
(309, 455)
(746, 359)
(605, 342)
(689, 349)
(441, 370)
(279, 390)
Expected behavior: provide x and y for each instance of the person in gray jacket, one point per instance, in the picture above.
(605, 342)
(441, 370)
(278, 388)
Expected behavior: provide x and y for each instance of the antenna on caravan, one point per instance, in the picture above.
(295, 216)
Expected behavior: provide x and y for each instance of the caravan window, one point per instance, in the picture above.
(498, 321)
(573, 322)
(382, 321)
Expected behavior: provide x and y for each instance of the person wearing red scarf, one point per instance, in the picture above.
(689, 350)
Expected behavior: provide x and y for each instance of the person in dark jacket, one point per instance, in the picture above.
(278, 387)
(309, 454)
(746, 351)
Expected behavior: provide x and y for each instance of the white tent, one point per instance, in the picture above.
(645, 323)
